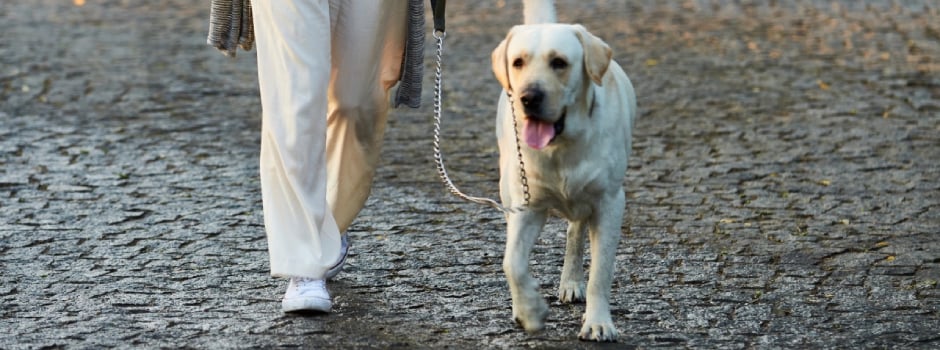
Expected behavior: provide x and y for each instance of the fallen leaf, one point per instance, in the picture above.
(822, 85)
(926, 284)
(651, 62)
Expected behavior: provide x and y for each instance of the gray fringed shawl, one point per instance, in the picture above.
(230, 28)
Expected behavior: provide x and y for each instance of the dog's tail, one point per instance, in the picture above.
(539, 11)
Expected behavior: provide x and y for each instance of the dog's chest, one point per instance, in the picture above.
(572, 192)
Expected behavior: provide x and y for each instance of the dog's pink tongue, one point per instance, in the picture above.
(537, 134)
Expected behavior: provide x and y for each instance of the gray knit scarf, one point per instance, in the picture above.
(230, 28)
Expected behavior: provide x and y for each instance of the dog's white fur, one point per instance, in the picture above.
(578, 176)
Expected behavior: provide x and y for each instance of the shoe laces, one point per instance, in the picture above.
(309, 286)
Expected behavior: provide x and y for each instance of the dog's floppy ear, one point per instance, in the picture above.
(500, 64)
(597, 54)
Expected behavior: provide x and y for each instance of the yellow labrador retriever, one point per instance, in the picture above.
(574, 109)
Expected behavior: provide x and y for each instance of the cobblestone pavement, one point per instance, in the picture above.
(784, 190)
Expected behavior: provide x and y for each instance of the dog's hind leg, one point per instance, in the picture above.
(571, 286)
(529, 309)
(604, 233)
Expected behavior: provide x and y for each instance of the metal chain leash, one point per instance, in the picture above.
(515, 133)
(439, 35)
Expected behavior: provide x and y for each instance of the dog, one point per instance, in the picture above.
(574, 108)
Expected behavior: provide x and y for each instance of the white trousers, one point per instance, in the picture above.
(325, 69)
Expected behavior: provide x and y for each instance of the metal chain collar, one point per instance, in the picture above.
(439, 35)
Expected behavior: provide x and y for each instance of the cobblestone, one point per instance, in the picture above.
(784, 190)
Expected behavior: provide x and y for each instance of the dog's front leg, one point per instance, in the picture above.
(605, 235)
(571, 286)
(529, 309)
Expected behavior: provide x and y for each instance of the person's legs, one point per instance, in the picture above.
(314, 169)
(368, 44)
(293, 51)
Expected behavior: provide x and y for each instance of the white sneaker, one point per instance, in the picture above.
(343, 251)
(306, 294)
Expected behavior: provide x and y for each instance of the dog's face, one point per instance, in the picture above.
(545, 67)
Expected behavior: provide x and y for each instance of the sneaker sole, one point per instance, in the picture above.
(335, 270)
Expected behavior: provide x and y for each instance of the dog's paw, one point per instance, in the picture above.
(604, 331)
(570, 292)
(532, 316)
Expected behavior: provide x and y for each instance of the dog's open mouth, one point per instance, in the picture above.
(538, 133)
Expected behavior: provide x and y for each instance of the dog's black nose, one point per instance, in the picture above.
(532, 100)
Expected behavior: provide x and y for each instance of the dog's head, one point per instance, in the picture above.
(545, 67)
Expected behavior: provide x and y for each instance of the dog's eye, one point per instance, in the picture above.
(518, 63)
(558, 63)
